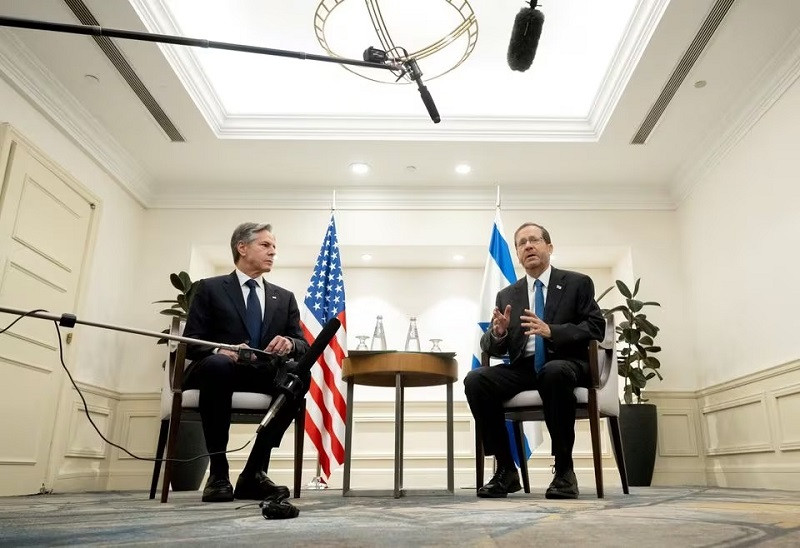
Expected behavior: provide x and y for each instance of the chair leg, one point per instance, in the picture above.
(480, 459)
(616, 443)
(162, 442)
(299, 438)
(523, 463)
(594, 428)
(172, 442)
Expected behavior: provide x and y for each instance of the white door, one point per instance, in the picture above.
(45, 225)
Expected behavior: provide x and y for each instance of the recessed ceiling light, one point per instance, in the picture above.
(463, 169)
(91, 78)
(411, 169)
(366, 257)
(700, 84)
(458, 257)
(359, 168)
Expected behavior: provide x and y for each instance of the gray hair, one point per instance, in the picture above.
(246, 233)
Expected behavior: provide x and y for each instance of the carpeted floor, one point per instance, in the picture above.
(653, 516)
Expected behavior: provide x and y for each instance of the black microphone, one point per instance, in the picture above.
(413, 71)
(304, 364)
(525, 37)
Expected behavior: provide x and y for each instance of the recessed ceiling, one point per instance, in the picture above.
(258, 128)
(255, 94)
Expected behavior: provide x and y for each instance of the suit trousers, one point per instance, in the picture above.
(218, 377)
(487, 388)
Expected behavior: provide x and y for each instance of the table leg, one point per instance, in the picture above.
(348, 439)
(398, 432)
(402, 429)
(450, 455)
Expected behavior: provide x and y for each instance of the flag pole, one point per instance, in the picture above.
(497, 200)
(333, 201)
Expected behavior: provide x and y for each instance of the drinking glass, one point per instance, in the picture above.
(435, 345)
(362, 342)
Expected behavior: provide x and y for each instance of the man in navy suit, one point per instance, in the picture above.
(547, 352)
(241, 308)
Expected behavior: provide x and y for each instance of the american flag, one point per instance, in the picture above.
(325, 404)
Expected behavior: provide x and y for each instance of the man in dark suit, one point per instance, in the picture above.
(544, 322)
(241, 308)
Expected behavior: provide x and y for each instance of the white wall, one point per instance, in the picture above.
(647, 238)
(740, 234)
(108, 293)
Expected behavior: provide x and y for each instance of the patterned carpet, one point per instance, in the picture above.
(652, 516)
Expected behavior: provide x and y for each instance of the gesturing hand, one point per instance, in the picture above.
(500, 321)
(533, 325)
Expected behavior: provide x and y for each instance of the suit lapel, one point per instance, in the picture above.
(234, 291)
(554, 292)
(521, 300)
(270, 298)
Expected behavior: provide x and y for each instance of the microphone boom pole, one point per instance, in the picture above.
(94, 30)
(408, 66)
(69, 320)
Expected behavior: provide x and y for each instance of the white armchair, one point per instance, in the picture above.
(600, 400)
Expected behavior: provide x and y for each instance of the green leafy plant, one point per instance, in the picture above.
(635, 362)
(180, 305)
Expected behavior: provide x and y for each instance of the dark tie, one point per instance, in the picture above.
(538, 309)
(253, 316)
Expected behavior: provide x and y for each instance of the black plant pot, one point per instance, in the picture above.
(638, 424)
(187, 476)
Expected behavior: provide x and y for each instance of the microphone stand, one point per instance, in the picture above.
(94, 30)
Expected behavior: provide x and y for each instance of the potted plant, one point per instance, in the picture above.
(186, 476)
(180, 305)
(636, 363)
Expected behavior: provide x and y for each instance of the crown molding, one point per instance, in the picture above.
(157, 19)
(396, 197)
(23, 70)
(768, 87)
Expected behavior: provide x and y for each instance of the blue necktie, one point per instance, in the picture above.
(538, 309)
(253, 315)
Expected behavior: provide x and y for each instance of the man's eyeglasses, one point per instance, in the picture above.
(533, 240)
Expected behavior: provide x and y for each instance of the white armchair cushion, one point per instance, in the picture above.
(607, 398)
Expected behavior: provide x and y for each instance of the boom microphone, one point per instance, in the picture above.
(304, 364)
(412, 69)
(525, 37)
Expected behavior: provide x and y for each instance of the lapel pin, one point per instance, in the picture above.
(558, 287)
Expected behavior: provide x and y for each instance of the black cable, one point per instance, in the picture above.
(86, 406)
(28, 313)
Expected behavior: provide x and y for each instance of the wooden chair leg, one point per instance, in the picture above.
(480, 459)
(523, 463)
(162, 442)
(594, 428)
(616, 443)
(299, 438)
(172, 442)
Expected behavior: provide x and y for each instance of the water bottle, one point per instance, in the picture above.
(378, 337)
(412, 339)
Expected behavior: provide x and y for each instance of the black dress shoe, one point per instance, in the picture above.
(259, 487)
(218, 489)
(505, 481)
(563, 486)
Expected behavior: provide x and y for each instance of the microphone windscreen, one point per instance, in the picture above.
(307, 360)
(524, 38)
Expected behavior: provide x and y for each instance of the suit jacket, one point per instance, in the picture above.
(217, 314)
(570, 311)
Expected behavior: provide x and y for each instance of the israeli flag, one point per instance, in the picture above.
(498, 274)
